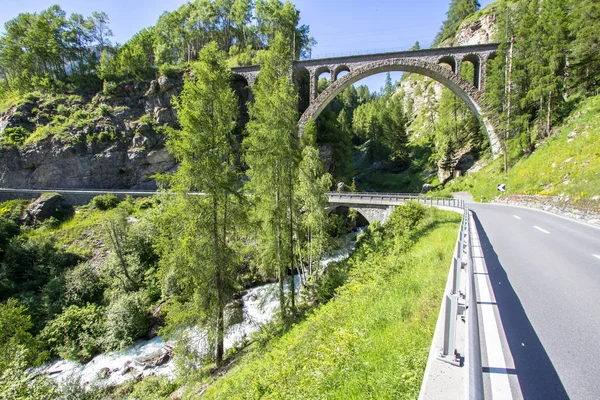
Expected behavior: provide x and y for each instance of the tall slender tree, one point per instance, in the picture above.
(199, 258)
(272, 155)
(313, 183)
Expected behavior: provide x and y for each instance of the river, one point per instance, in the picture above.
(152, 357)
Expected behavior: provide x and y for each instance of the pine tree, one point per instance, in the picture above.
(457, 12)
(272, 155)
(584, 59)
(198, 259)
(313, 185)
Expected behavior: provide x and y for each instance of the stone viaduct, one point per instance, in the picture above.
(441, 64)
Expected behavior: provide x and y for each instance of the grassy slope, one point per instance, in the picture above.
(559, 166)
(371, 341)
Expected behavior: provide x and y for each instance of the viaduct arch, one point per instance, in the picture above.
(424, 62)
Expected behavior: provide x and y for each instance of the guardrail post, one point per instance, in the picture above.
(448, 353)
(456, 268)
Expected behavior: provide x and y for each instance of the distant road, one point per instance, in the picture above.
(545, 276)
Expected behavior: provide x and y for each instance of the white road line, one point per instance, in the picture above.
(597, 256)
(499, 382)
(541, 230)
(517, 217)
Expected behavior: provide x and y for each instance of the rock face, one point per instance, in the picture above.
(480, 31)
(120, 149)
(54, 165)
(422, 92)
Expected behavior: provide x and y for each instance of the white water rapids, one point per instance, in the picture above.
(139, 359)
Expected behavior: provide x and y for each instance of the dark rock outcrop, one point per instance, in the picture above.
(44, 207)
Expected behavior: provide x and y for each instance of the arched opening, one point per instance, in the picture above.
(323, 79)
(471, 69)
(347, 219)
(460, 87)
(242, 89)
(302, 83)
(341, 71)
(448, 61)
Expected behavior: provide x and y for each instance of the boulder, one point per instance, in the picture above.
(104, 373)
(164, 116)
(426, 188)
(162, 359)
(44, 207)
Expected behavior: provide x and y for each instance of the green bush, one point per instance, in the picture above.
(146, 119)
(63, 110)
(170, 71)
(110, 88)
(77, 333)
(18, 383)
(153, 388)
(15, 136)
(15, 324)
(83, 285)
(105, 110)
(105, 202)
(126, 320)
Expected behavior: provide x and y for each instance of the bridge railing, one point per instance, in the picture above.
(392, 199)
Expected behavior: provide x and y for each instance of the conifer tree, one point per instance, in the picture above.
(272, 154)
(199, 262)
(457, 12)
(313, 184)
(584, 58)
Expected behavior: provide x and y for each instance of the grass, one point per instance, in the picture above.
(82, 232)
(67, 117)
(79, 234)
(371, 341)
(560, 166)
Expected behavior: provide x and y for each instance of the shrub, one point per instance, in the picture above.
(83, 285)
(170, 71)
(105, 202)
(105, 110)
(63, 110)
(15, 324)
(153, 387)
(19, 383)
(146, 119)
(110, 88)
(15, 136)
(126, 320)
(76, 334)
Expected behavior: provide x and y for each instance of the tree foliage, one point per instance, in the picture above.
(272, 155)
(457, 12)
(52, 51)
(199, 257)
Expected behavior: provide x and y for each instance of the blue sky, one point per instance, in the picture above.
(339, 26)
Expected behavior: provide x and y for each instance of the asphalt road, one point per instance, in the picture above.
(545, 275)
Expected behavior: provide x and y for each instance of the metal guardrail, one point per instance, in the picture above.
(463, 259)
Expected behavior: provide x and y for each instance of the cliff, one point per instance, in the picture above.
(108, 142)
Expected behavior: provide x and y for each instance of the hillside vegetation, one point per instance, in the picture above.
(566, 164)
(372, 340)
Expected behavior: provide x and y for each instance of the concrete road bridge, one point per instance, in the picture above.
(441, 64)
(372, 206)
